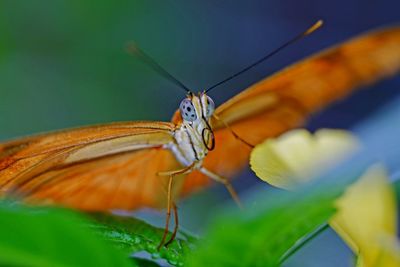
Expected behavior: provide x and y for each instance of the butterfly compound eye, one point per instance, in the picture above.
(188, 112)
(210, 106)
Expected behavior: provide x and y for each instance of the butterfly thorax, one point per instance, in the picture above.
(194, 136)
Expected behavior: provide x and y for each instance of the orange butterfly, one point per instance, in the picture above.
(129, 165)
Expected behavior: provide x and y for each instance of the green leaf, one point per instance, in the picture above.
(134, 235)
(262, 237)
(51, 238)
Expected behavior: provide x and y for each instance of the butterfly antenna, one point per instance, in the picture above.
(134, 50)
(310, 30)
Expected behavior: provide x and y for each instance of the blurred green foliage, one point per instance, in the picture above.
(263, 236)
(52, 238)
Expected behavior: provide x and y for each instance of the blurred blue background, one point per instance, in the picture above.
(63, 64)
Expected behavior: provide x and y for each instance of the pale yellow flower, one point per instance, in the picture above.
(297, 156)
(366, 216)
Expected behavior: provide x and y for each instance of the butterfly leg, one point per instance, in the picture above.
(224, 181)
(175, 209)
(171, 204)
(185, 170)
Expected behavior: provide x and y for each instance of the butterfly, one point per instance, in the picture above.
(130, 165)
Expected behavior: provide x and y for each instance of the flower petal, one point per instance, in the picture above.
(367, 213)
(297, 156)
(390, 252)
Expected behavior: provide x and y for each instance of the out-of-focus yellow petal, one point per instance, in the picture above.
(366, 214)
(390, 252)
(298, 155)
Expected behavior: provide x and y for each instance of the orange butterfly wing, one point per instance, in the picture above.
(114, 166)
(93, 168)
(284, 100)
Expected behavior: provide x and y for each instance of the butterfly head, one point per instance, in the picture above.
(195, 108)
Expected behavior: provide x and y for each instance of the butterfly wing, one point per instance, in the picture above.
(102, 167)
(284, 100)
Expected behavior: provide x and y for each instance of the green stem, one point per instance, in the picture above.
(302, 242)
